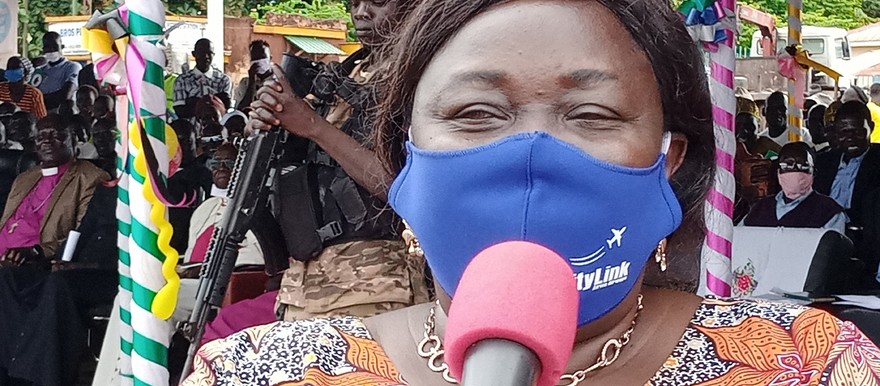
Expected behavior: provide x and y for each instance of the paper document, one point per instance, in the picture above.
(72, 240)
(865, 301)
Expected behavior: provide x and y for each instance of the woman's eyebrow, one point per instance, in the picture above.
(491, 77)
(478, 79)
(587, 78)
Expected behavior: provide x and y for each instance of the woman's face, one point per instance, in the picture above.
(569, 69)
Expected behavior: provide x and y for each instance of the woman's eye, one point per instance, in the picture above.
(592, 113)
(478, 113)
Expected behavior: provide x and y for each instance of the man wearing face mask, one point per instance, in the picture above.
(260, 70)
(348, 258)
(797, 205)
(59, 75)
(849, 173)
(15, 90)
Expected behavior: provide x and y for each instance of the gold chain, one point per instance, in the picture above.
(431, 348)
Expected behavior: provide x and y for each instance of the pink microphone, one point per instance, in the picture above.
(514, 315)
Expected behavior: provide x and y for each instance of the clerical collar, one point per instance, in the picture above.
(54, 171)
(217, 192)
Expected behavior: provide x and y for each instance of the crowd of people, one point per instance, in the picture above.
(828, 178)
(570, 144)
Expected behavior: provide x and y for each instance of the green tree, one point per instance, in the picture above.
(871, 8)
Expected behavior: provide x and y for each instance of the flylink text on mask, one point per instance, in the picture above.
(602, 277)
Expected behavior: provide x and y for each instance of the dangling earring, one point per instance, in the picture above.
(660, 255)
(412, 243)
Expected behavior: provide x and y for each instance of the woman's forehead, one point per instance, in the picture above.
(528, 40)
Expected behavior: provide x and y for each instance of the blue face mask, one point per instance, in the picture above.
(605, 219)
(14, 75)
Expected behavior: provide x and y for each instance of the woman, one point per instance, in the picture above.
(583, 96)
(16, 90)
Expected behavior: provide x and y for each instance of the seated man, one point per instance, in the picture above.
(85, 102)
(850, 173)
(26, 97)
(105, 107)
(46, 202)
(797, 205)
(749, 142)
(212, 137)
(21, 132)
(234, 123)
(815, 122)
(201, 227)
(104, 139)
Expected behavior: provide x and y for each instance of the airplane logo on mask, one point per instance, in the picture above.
(615, 240)
(618, 237)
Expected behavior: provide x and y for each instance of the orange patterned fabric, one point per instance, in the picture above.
(728, 343)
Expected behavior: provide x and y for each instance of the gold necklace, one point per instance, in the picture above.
(431, 348)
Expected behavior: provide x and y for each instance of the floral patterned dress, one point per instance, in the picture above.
(728, 342)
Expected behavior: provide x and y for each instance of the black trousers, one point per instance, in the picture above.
(43, 322)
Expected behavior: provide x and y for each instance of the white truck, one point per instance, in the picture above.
(826, 45)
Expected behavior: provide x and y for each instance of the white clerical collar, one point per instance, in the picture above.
(49, 172)
(217, 192)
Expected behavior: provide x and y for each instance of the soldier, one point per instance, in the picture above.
(350, 259)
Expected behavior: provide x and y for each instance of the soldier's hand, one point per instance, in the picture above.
(277, 105)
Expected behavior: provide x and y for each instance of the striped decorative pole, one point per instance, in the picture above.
(719, 206)
(123, 219)
(154, 281)
(795, 101)
(127, 52)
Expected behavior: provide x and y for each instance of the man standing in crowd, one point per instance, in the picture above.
(851, 172)
(59, 76)
(46, 202)
(349, 259)
(260, 70)
(797, 205)
(203, 81)
(28, 98)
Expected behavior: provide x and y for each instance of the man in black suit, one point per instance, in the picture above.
(852, 171)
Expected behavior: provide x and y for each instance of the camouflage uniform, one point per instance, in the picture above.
(360, 278)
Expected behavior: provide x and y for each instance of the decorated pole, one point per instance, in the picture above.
(712, 23)
(719, 206)
(153, 261)
(795, 90)
(126, 48)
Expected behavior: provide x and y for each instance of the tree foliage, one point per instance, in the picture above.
(871, 8)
